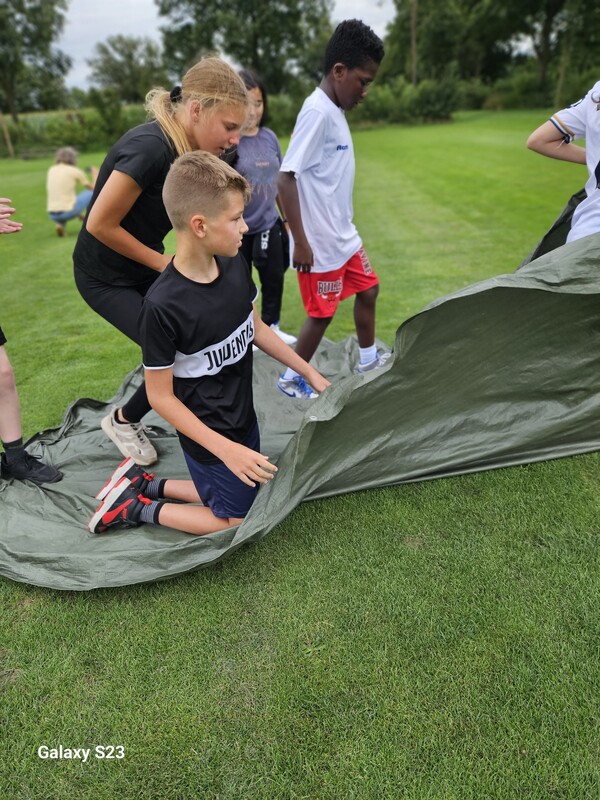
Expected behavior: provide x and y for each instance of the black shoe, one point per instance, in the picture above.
(29, 468)
(121, 508)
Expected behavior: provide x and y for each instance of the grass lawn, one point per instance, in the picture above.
(436, 640)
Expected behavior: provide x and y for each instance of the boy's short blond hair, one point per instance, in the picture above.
(198, 183)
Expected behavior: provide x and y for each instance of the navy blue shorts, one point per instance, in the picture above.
(2, 337)
(219, 489)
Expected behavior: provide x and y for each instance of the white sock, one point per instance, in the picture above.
(289, 374)
(368, 354)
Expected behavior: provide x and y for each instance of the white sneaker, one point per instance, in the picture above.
(285, 337)
(377, 363)
(131, 439)
(296, 387)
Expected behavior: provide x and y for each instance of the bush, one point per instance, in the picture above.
(575, 85)
(520, 89)
(400, 101)
(283, 110)
(434, 100)
(472, 94)
(41, 133)
(379, 105)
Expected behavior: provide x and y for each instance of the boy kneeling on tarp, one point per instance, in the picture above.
(197, 327)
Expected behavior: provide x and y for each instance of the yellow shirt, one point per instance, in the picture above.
(61, 186)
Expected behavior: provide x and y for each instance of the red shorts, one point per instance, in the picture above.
(322, 291)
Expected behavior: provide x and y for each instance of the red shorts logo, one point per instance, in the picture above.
(365, 261)
(330, 290)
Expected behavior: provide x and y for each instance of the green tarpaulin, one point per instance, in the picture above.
(503, 372)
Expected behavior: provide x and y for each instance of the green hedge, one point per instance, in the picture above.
(401, 101)
(98, 128)
(43, 132)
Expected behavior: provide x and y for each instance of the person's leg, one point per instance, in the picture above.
(15, 461)
(181, 490)
(269, 262)
(197, 520)
(364, 316)
(118, 305)
(291, 383)
(310, 336)
(226, 499)
(270, 259)
(121, 305)
(361, 281)
(82, 201)
(148, 484)
(320, 294)
(59, 220)
(126, 507)
(10, 411)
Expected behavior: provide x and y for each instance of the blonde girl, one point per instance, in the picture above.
(119, 251)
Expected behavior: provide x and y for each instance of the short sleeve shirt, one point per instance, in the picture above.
(259, 159)
(145, 154)
(582, 121)
(204, 333)
(61, 186)
(321, 155)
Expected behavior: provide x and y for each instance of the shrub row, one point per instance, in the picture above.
(395, 102)
(401, 101)
(85, 129)
(98, 128)
(523, 89)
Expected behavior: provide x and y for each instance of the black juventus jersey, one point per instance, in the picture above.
(204, 332)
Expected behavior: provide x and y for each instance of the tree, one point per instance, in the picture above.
(543, 21)
(269, 36)
(578, 43)
(472, 38)
(130, 66)
(30, 63)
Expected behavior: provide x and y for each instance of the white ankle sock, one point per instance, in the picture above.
(368, 354)
(289, 374)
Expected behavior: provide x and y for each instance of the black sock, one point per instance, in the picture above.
(14, 450)
(155, 489)
(137, 406)
(149, 513)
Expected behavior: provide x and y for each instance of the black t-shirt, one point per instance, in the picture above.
(145, 154)
(204, 331)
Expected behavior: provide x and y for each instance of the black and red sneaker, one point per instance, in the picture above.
(121, 508)
(127, 469)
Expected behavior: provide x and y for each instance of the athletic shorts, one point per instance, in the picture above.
(2, 337)
(219, 489)
(322, 291)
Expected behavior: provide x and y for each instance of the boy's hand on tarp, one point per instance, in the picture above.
(317, 381)
(248, 465)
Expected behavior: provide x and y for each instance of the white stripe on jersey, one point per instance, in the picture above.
(213, 358)
(566, 132)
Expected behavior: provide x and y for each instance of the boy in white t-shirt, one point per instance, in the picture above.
(315, 186)
(554, 139)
